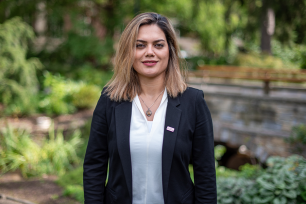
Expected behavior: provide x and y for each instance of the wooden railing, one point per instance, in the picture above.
(265, 75)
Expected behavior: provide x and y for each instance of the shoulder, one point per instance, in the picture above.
(191, 97)
(192, 93)
(104, 100)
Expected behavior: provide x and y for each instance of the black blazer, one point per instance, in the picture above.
(192, 139)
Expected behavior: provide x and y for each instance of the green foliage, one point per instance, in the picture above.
(54, 156)
(18, 81)
(90, 75)
(297, 139)
(194, 62)
(291, 57)
(64, 96)
(298, 135)
(57, 99)
(75, 191)
(210, 25)
(73, 183)
(260, 61)
(219, 151)
(231, 189)
(84, 48)
(224, 172)
(86, 97)
(282, 182)
(250, 171)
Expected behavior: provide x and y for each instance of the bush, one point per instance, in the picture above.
(18, 80)
(86, 97)
(284, 181)
(91, 75)
(54, 156)
(250, 171)
(57, 95)
(75, 191)
(73, 183)
(292, 56)
(63, 96)
(260, 61)
(297, 139)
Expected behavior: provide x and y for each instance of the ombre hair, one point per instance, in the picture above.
(125, 84)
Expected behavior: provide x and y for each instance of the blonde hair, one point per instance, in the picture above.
(125, 84)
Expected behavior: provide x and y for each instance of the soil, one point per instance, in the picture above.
(35, 190)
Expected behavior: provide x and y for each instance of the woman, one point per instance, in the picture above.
(148, 126)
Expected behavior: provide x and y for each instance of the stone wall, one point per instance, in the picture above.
(259, 122)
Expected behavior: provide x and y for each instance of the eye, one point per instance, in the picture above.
(159, 45)
(140, 45)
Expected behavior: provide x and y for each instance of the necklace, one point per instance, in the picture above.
(149, 112)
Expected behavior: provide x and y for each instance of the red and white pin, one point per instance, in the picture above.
(171, 129)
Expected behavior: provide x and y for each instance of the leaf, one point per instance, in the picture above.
(303, 195)
(289, 194)
(265, 184)
(280, 200)
(264, 192)
(263, 200)
(227, 200)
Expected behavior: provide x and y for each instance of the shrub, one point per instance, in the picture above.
(75, 191)
(284, 181)
(86, 97)
(91, 75)
(297, 139)
(230, 190)
(57, 96)
(63, 96)
(260, 61)
(54, 156)
(250, 171)
(18, 80)
(73, 183)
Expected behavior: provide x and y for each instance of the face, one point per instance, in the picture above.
(152, 52)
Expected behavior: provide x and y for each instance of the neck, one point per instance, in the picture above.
(151, 87)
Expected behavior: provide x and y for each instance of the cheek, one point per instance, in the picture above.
(137, 59)
(165, 59)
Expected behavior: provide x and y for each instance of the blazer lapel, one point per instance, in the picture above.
(173, 115)
(123, 119)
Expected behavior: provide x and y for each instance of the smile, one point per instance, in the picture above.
(149, 63)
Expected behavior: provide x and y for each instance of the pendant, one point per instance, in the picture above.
(149, 113)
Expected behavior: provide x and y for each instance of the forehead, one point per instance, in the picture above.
(150, 33)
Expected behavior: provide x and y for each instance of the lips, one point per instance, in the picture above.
(150, 63)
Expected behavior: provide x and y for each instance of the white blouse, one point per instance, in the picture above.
(146, 141)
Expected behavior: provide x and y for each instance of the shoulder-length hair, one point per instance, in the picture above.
(125, 84)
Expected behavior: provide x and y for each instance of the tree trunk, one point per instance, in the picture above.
(267, 26)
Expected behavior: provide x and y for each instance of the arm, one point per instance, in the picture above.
(96, 157)
(203, 154)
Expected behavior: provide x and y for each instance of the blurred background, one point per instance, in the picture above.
(249, 58)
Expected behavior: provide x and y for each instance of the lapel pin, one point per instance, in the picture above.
(171, 129)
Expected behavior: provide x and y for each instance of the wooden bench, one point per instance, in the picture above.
(265, 75)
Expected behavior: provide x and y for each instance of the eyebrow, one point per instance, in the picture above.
(143, 41)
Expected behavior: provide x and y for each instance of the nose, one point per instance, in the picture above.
(150, 51)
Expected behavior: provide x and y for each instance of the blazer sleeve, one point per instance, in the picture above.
(96, 157)
(203, 154)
